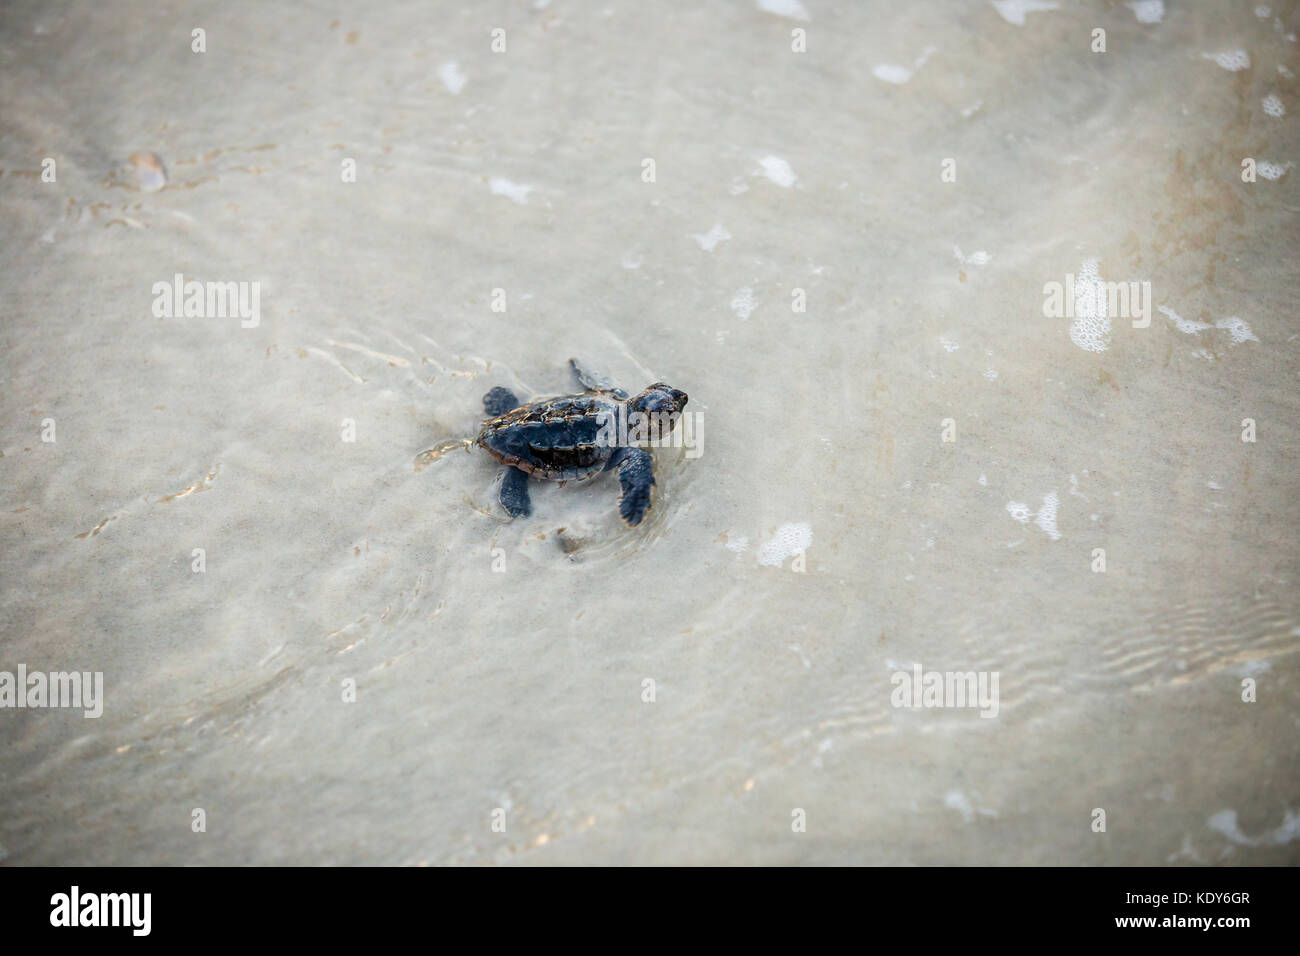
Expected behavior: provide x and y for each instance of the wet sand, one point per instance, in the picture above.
(332, 641)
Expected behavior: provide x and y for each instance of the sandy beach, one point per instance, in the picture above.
(991, 336)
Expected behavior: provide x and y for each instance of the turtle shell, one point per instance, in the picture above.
(554, 438)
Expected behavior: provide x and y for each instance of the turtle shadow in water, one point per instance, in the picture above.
(578, 526)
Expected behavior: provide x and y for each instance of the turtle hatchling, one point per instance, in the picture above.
(576, 437)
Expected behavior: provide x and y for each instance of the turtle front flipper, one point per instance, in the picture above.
(636, 475)
(593, 381)
(499, 401)
(514, 493)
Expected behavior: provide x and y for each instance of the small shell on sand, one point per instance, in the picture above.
(150, 175)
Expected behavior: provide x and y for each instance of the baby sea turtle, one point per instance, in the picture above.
(575, 437)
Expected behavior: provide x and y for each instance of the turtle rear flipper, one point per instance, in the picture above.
(514, 493)
(636, 475)
(594, 381)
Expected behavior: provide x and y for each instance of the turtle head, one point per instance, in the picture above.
(658, 408)
(660, 399)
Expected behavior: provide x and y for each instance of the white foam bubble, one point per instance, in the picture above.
(1225, 822)
(789, 539)
(793, 9)
(1090, 329)
(1254, 668)
(1231, 60)
(1237, 328)
(980, 258)
(901, 74)
(1272, 171)
(742, 303)
(1187, 326)
(778, 170)
(891, 74)
(948, 344)
(1148, 11)
(1273, 106)
(452, 77)
(515, 191)
(956, 800)
(1046, 518)
(709, 240)
(1014, 11)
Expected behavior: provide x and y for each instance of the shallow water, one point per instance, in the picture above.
(826, 538)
